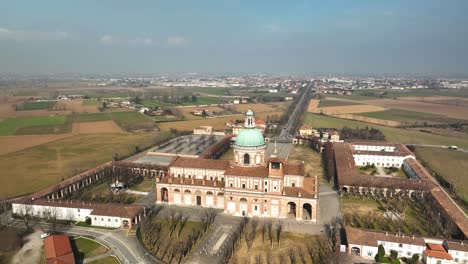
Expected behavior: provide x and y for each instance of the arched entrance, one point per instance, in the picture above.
(291, 210)
(177, 196)
(356, 251)
(164, 195)
(209, 199)
(307, 211)
(187, 197)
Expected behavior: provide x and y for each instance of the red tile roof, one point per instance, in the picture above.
(58, 250)
(437, 254)
(260, 171)
(366, 237)
(199, 163)
(293, 169)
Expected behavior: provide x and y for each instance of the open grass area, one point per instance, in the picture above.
(331, 103)
(145, 185)
(396, 135)
(31, 125)
(36, 105)
(312, 161)
(261, 248)
(409, 93)
(129, 118)
(86, 248)
(101, 193)
(210, 90)
(106, 260)
(368, 213)
(409, 117)
(91, 103)
(451, 165)
(41, 166)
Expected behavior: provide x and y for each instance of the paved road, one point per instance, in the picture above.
(290, 126)
(126, 248)
(436, 146)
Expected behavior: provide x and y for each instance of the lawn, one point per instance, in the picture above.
(146, 185)
(368, 213)
(36, 105)
(331, 103)
(33, 125)
(106, 260)
(409, 117)
(91, 103)
(39, 167)
(451, 165)
(86, 248)
(396, 135)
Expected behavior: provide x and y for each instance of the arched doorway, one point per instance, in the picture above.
(164, 195)
(307, 211)
(209, 199)
(220, 199)
(291, 210)
(356, 251)
(177, 196)
(246, 159)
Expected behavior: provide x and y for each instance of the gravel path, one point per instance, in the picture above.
(31, 250)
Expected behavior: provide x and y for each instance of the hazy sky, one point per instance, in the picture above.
(374, 36)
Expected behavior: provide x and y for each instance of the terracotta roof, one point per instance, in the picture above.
(307, 191)
(372, 143)
(457, 216)
(116, 210)
(199, 163)
(457, 245)
(58, 249)
(259, 171)
(192, 182)
(305, 127)
(366, 237)
(293, 169)
(437, 254)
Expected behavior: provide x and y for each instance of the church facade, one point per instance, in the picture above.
(249, 185)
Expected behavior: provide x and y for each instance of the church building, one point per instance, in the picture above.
(249, 185)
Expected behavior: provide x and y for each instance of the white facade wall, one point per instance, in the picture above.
(404, 250)
(108, 221)
(374, 148)
(180, 172)
(459, 256)
(380, 160)
(289, 180)
(429, 260)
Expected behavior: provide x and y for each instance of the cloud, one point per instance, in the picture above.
(23, 35)
(176, 40)
(107, 39)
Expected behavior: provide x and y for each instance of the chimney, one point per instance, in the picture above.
(386, 233)
(413, 236)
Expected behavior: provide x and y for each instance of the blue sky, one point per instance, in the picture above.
(374, 36)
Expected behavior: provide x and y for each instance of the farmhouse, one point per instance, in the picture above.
(365, 243)
(249, 185)
(104, 215)
(57, 249)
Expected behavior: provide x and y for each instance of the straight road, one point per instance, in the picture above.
(437, 146)
(290, 126)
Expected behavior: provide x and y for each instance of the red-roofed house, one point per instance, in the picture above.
(57, 250)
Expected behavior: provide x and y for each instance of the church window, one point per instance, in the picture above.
(293, 184)
(230, 184)
(211, 178)
(256, 186)
(246, 159)
(243, 186)
(255, 208)
(266, 190)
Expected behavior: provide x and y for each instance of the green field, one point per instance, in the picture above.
(91, 103)
(410, 117)
(210, 90)
(331, 103)
(106, 260)
(39, 167)
(88, 248)
(124, 119)
(451, 165)
(397, 135)
(32, 125)
(90, 117)
(36, 105)
(201, 100)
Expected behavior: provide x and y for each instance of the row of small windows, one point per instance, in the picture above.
(108, 219)
(190, 177)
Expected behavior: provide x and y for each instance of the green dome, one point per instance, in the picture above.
(249, 113)
(250, 137)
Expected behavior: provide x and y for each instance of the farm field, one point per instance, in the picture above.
(201, 100)
(15, 143)
(331, 103)
(348, 109)
(313, 104)
(451, 111)
(396, 135)
(36, 105)
(187, 111)
(451, 165)
(261, 108)
(210, 90)
(54, 161)
(96, 127)
(216, 123)
(411, 93)
(409, 117)
(370, 120)
(448, 100)
(11, 126)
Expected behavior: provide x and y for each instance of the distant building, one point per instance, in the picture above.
(380, 154)
(306, 131)
(207, 130)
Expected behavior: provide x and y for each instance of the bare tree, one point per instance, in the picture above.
(26, 214)
(279, 229)
(292, 255)
(258, 259)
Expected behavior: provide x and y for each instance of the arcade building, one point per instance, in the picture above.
(249, 185)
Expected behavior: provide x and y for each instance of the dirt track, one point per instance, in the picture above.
(31, 251)
(96, 127)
